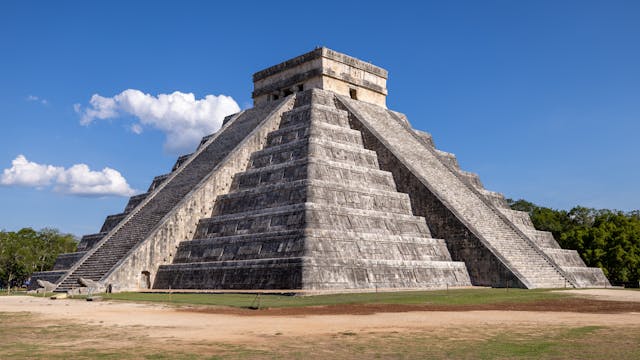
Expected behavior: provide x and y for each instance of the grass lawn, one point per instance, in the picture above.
(441, 297)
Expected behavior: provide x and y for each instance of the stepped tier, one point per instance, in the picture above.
(67, 260)
(52, 276)
(316, 169)
(312, 211)
(181, 160)
(313, 273)
(165, 192)
(89, 241)
(112, 221)
(477, 224)
(314, 242)
(319, 187)
(135, 201)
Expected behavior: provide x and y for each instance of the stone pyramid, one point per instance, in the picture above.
(319, 187)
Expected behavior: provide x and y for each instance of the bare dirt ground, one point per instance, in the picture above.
(607, 294)
(611, 308)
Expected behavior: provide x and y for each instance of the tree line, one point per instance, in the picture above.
(608, 239)
(26, 251)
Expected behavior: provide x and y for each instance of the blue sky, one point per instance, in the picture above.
(542, 99)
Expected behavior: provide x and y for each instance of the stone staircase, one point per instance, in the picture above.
(569, 261)
(313, 211)
(66, 261)
(145, 211)
(437, 171)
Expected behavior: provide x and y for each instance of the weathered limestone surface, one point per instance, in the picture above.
(52, 276)
(46, 285)
(65, 261)
(318, 187)
(247, 133)
(152, 219)
(472, 220)
(325, 69)
(313, 211)
(454, 208)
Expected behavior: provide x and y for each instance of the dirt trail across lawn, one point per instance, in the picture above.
(223, 324)
(607, 294)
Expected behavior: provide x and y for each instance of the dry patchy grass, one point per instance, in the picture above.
(23, 335)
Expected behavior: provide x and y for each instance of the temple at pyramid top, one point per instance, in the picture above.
(324, 69)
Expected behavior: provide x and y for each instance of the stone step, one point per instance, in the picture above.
(587, 276)
(315, 97)
(348, 194)
(66, 261)
(426, 137)
(447, 158)
(112, 221)
(520, 219)
(157, 181)
(495, 198)
(272, 174)
(565, 257)
(317, 148)
(261, 197)
(315, 113)
(354, 195)
(471, 178)
(349, 248)
(343, 153)
(270, 244)
(315, 242)
(283, 218)
(89, 241)
(440, 171)
(345, 219)
(319, 216)
(181, 160)
(299, 131)
(328, 273)
(316, 169)
(135, 201)
(544, 239)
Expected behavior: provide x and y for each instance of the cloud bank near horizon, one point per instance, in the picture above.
(180, 116)
(77, 180)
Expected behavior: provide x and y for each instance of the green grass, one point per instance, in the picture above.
(4, 292)
(444, 297)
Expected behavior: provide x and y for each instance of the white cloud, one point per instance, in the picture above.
(26, 173)
(37, 99)
(183, 118)
(76, 180)
(80, 180)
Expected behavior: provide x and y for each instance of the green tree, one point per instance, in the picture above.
(26, 251)
(604, 238)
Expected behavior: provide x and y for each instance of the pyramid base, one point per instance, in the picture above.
(51, 276)
(587, 277)
(313, 274)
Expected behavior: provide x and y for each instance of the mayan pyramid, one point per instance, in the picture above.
(319, 187)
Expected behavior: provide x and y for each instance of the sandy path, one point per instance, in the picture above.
(165, 322)
(607, 294)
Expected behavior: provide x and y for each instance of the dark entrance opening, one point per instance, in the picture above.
(353, 93)
(145, 281)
